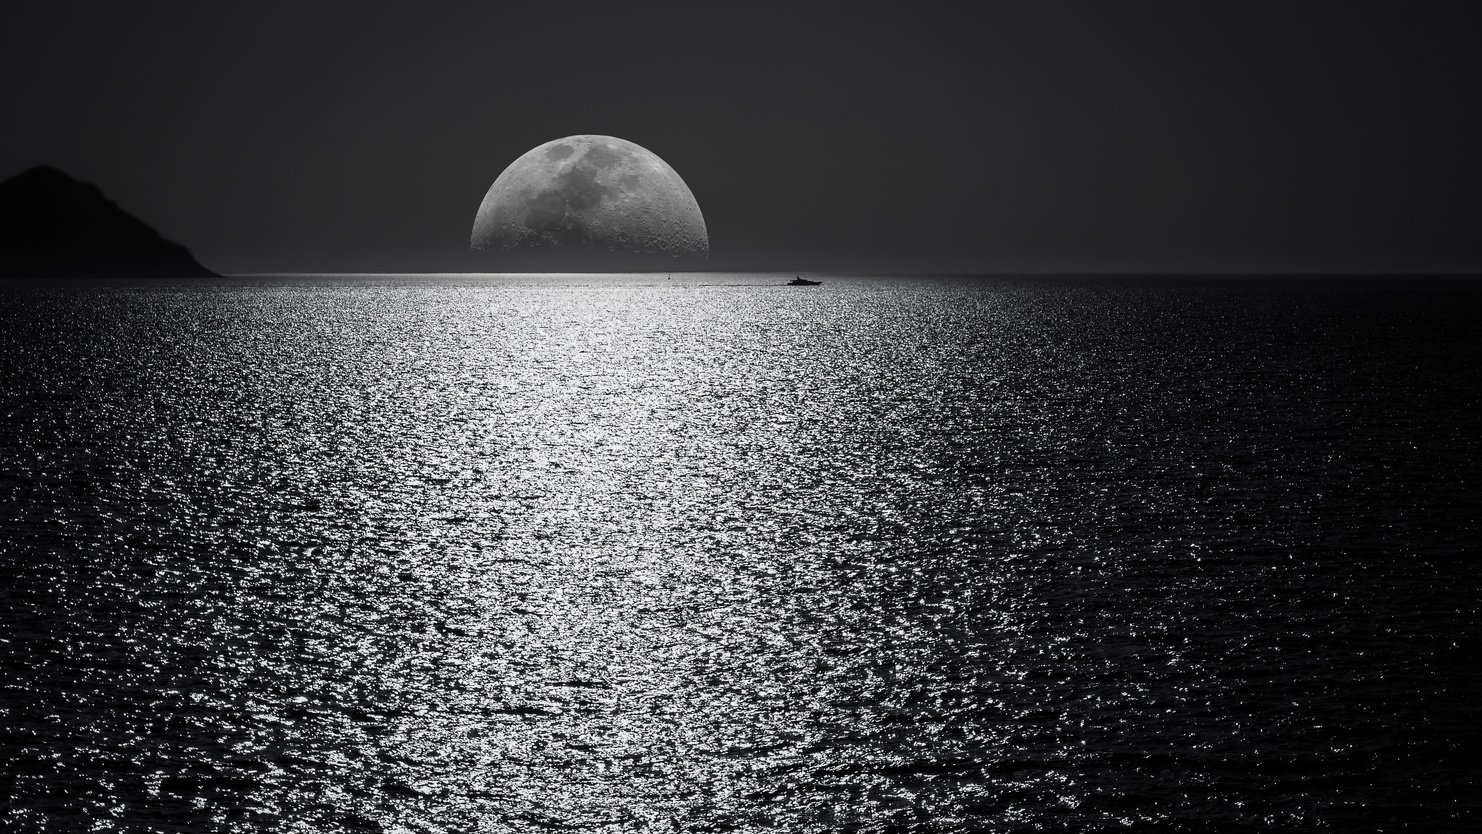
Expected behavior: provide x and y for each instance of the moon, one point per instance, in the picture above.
(591, 196)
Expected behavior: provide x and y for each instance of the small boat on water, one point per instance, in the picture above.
(800, 281)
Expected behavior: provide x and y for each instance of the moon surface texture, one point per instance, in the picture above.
(588, 197)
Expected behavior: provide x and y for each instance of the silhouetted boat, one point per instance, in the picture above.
(800, 281)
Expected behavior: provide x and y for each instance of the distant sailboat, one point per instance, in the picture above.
(800, 281)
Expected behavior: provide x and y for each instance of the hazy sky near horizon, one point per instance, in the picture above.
(1025, 136)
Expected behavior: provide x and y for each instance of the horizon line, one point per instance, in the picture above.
(1109, 273)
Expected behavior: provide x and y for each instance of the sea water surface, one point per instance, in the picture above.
(613, 553)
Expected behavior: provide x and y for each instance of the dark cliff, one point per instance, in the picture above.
(53, 225)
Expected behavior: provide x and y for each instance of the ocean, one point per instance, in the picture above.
(708, 553)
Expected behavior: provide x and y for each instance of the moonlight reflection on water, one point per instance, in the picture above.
(524, 554)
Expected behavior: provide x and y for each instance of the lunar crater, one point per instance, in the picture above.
(589, 194)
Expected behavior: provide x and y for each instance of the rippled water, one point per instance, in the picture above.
(447, 555)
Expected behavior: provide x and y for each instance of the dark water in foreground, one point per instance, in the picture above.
(574, 554)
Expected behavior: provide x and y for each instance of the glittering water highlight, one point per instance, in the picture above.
(575, 553)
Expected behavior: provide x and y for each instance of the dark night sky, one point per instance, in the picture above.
(1024, 136)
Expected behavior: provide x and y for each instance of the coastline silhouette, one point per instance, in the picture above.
(54, 225)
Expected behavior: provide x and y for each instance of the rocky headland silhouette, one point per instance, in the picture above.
(52, 225)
